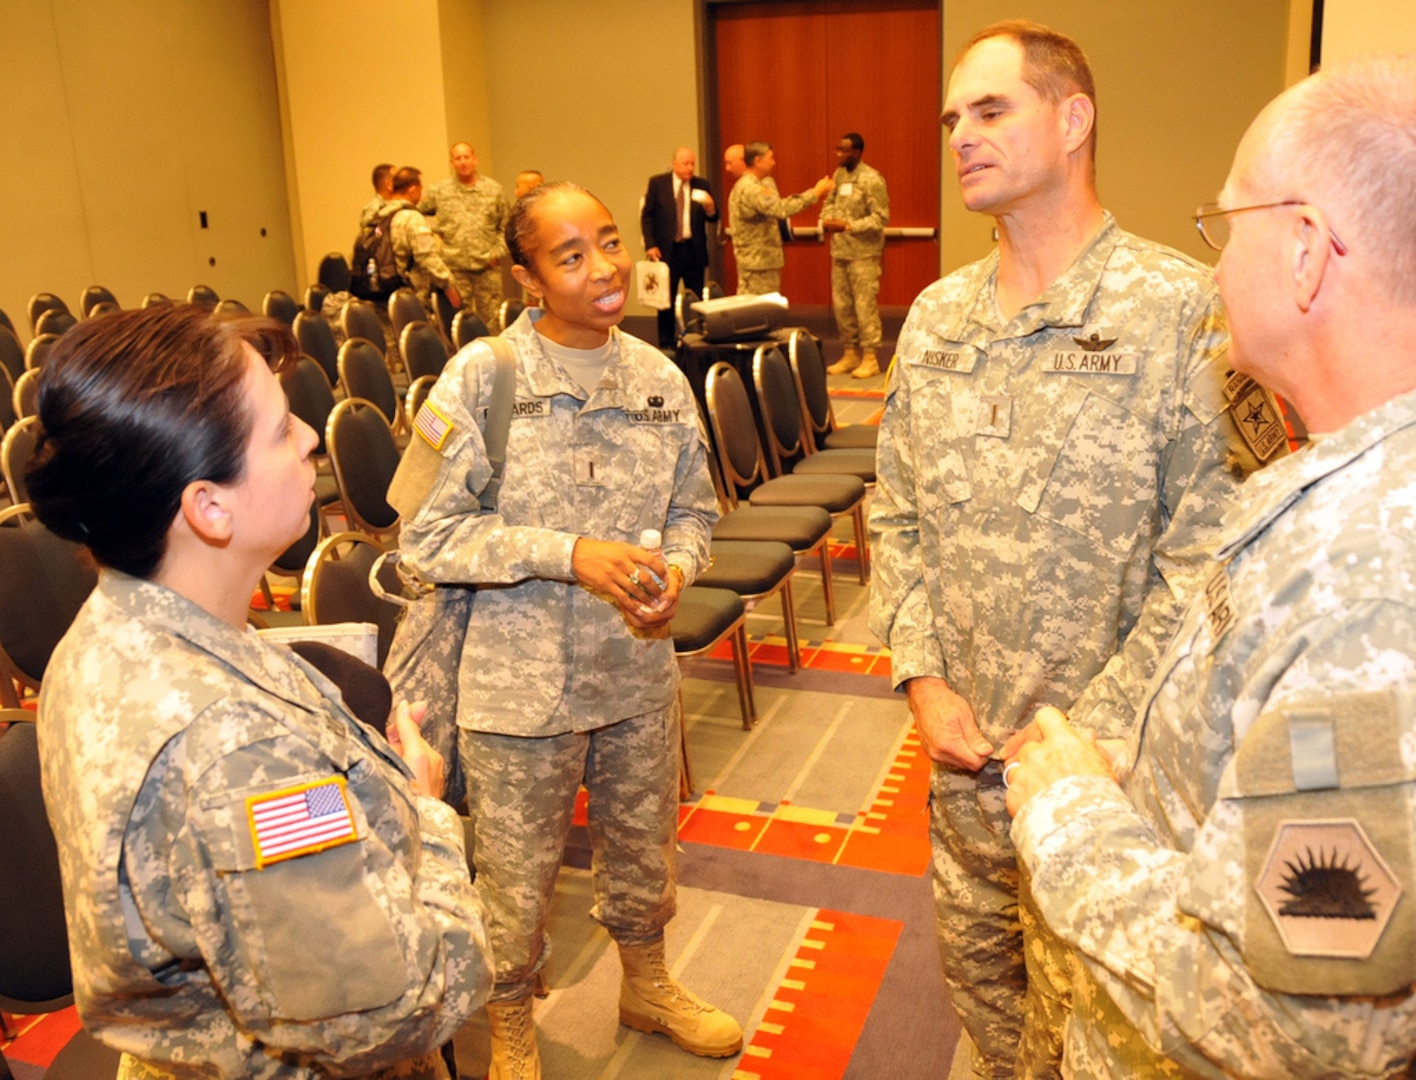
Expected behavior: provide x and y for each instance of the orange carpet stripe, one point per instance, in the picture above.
(41, 1038)
(819, 1011)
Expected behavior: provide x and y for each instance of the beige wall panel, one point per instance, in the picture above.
(1177, 83)
(361, 82)
(596, 93)
(1357, 28)
(113, 109)
(465, 82)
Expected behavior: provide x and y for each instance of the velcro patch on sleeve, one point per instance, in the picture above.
(432, 426)
(300, 820)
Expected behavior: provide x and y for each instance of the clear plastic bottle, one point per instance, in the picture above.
(650, 540)
(372, 272)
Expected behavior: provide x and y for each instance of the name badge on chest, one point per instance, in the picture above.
(1092, 354)
(960, 358)
(1219, 610)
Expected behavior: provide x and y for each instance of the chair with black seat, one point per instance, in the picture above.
(508, 313)
(316, 340)
(685, 319)
(12, 353)
(24, 395)
(755, 570)
(154, 299)
(41, 302)
(467, 327)
(279, 304)
(204, 297)
(93, 296)
(363, 374)
(315, 297)
(311, 399)
(744, 464)
(8, 323)
(334, 272)
(365, 457)
(404, 307)
(290, 563)
(360, 319)
(8, 415)
(102, 308)
(55, 322)
(804, 529)
(336, 589)
(35, 976)
(706, 617)
(38, 349)
(16, 450)
(788, 451)
(817, 414)
(418, 391)
(424, 350)
(231, 307)
(44, 580)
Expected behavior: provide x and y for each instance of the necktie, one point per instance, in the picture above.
(680, 198)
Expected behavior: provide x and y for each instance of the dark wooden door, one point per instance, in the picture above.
(800, 74)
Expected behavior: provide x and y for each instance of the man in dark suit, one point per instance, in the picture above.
(677, 209)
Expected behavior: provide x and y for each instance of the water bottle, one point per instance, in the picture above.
(650, 540)
(372, 270)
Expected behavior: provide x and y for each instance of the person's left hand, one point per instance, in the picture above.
(620, 572)
(1047, 750)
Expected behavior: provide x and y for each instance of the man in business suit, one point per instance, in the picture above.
(677, 209)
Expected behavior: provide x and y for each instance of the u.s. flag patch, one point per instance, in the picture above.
(432, 426)
(300, 821)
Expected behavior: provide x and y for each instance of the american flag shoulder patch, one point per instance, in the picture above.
(432, 426)
(300, 820)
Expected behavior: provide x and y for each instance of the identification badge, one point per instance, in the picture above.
(960, 358)
(995, 415)
(1093, 354)
(588, 472)
(846, 189)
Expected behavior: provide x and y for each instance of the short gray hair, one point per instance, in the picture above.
(1347, 136)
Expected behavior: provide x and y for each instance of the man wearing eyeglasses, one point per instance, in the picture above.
(1239, 882)
(1055, 455)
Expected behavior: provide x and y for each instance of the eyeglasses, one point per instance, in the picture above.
(1212, 220)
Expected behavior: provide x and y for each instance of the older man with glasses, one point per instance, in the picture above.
(1238, 882)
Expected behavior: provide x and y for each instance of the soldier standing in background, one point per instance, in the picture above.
(470, 212)
(383, 192)
(754, 208)
(855, 216)
(414, 244)
(1055, 457)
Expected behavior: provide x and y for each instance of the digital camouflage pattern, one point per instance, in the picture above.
(860, 199)
(369, 212)
(544, 657)
(416, 249)
(754, 208)
(1285, 699)
(470, 222)
(1077, 460)
(521, 796)
(157, 722)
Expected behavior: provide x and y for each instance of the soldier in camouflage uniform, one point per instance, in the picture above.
(470, 213)
(383, 192)
(419, 256)
(854, 215)
(1242, 900)
(568, 673)
(1054, 457)
(255, 883)
(754, 209)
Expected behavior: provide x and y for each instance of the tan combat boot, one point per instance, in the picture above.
(847, 362)
(514, 1053)
(869, 366)
(650, 1000)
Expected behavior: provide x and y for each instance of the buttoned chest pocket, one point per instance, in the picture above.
(537, 477)
(940, 400)
(1101, 481)
(644, 464)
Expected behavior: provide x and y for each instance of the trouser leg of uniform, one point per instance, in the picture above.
(865, 293)
(843, 303)
(759, 282)
(632, 776)
(1049, 995)
(976, 908)
(521, 797)
(481, 291)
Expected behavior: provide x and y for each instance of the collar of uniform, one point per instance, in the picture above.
(1068, 299)
(1271, 490)
(260, 662)
(546, 379)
